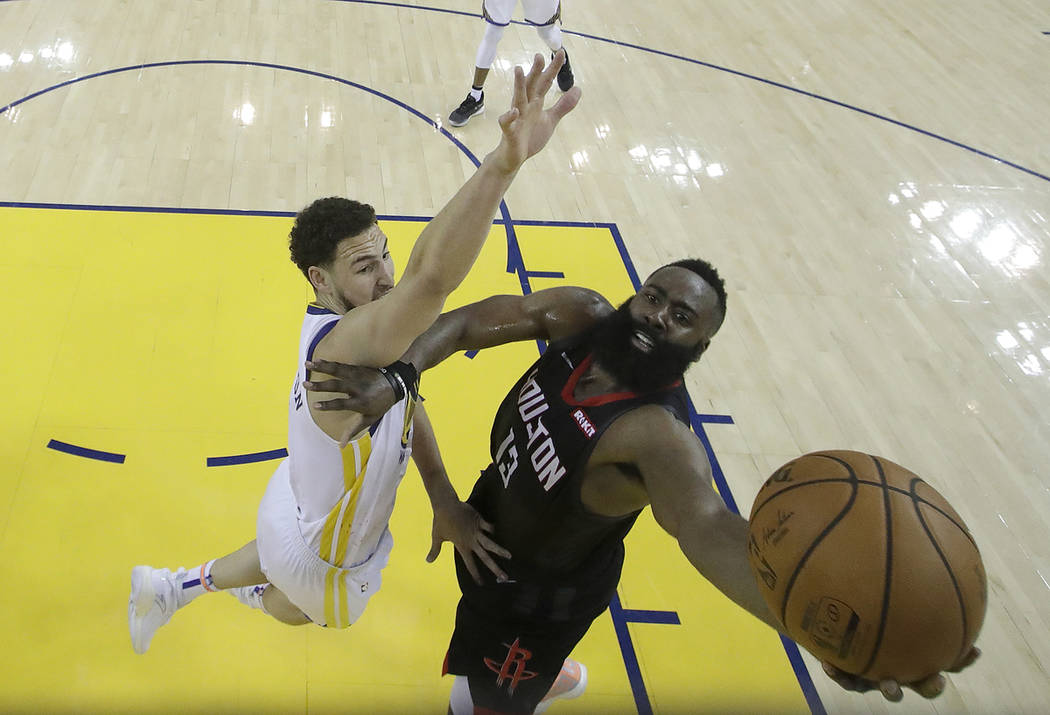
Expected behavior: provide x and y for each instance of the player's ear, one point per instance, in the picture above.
(319, 278)
(700, 348)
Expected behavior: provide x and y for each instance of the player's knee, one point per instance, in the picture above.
(487, 49)
(551, 35)
(277, 605)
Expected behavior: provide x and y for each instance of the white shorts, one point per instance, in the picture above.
(537, 12)
(328, 595)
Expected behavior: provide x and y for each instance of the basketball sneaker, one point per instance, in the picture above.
(467, 109)
(570, 683)
(153, 601)
(565, 78)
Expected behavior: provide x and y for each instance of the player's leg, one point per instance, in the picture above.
(276, 604)
(157, 593)
(496, 14)
(512, 666)
(549, 30)
(570, 683)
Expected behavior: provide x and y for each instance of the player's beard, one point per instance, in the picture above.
(638, 371)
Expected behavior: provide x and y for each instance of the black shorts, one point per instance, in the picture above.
(510, 664)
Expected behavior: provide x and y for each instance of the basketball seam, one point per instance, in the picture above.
(816, 542)
(947, 567)
(887, 582)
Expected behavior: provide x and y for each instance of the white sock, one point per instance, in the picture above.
(476, 93)
(194, 582)
(251, 596)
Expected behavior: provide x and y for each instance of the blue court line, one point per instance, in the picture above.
(85, 452)
(633, 615)
(698, 422)
(247, 458)
(715, 419)
(544, 274)
(560, 224)
(630, 658)
(142, 209)
(176, 210)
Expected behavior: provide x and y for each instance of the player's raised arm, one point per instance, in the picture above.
(379, 332)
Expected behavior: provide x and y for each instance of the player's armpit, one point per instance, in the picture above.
(677, 478)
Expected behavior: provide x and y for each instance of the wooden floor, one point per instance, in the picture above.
(872, 179)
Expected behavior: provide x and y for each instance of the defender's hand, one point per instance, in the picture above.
(461, 524)
(367, 391)
(527, 126)
(929, 687)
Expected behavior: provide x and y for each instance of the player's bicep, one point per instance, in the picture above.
(677, 477)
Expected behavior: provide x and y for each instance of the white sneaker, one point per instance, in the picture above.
(570, 683)
(153, 601)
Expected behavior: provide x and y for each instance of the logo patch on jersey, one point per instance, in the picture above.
(513, 666)
(584, 423)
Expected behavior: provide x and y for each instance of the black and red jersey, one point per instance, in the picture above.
(566, 561)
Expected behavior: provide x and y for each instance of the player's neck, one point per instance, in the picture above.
(596, 381)
(330, 302)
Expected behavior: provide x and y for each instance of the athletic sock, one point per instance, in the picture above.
(194, 582)
(251, 596)
(475, 92)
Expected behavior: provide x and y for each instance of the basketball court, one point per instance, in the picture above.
(884, 252)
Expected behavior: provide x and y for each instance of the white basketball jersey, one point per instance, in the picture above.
(344, 496)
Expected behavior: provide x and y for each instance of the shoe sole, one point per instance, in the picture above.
(139, 604)
(480, 111)
(575, 692)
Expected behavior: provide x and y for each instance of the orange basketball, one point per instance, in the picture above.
(867, 566)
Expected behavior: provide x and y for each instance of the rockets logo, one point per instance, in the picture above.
(513, 666)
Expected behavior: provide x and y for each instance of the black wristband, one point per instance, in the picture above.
(402, 377)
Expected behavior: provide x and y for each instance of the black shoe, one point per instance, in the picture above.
(467, 109)
(565, 78)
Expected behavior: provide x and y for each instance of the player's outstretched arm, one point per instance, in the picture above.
(677, 479)
(379, 332)
(544, 315)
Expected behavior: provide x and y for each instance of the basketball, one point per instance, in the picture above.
(866, 566)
